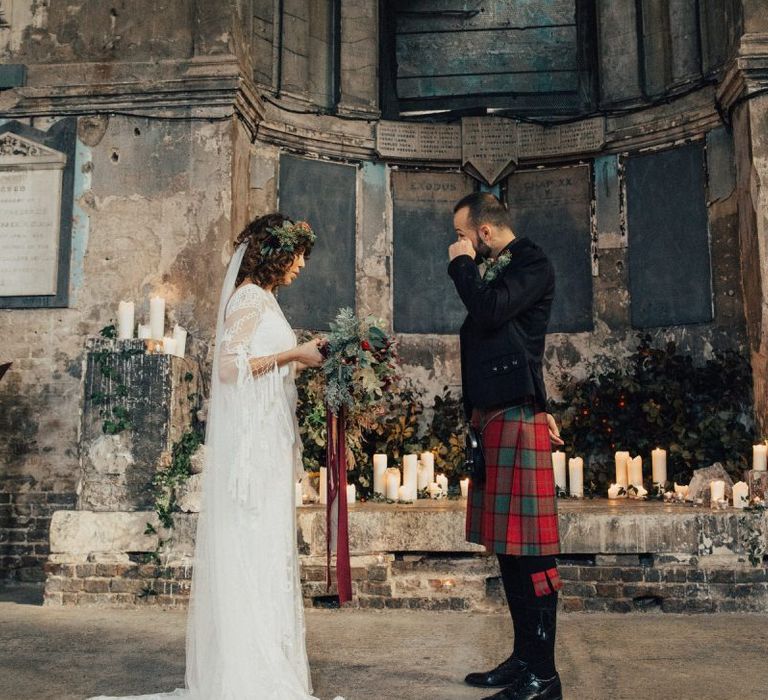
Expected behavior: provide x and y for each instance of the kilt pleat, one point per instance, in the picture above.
(515, 510)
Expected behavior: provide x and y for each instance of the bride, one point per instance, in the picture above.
(245, 629)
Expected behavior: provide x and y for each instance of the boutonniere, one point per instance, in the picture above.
(494, 269)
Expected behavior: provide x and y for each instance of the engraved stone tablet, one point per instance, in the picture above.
(410, 141)
(580, 137)
(30, 200)
(488, 147)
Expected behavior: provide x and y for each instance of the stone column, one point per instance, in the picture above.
(359, 70)
(742, 93)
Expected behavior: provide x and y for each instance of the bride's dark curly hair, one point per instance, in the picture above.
(266, 270)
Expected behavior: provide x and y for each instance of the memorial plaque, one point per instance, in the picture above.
(30, 199)
(36, 190)
(670, 274)
(580, 137)
(424, 142)
(323, 193)
(488, 147)
(425, 300)
(552, 207)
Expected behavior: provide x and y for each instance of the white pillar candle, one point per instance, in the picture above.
(125, 312)
(392, 484)
(411, 475)
(434, 490)
(351, 495)
(323, 485)
(157, 317)
(298, 494)
(428, 460)
(681, 490)
(659, 466)
(614, 491)
(379, 474)
(621, 459)
(576, 476)
(740, 494)
(442, 481)
(716, 490)
(464, 485)
(558, 464)
(760, 457)
(402, 494)
(180, 336)
(635, 471)
(422, 479)
(144, 332)
(169, 346)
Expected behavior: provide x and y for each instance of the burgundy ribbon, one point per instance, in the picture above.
(336, 463)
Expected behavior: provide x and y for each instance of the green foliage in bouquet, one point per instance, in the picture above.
(361, 363)
(658, 397)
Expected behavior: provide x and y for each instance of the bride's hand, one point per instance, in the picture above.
(308, 354)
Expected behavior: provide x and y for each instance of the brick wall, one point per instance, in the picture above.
(25, 520)
(592, 583)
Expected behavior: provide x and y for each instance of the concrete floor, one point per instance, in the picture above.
(69, 654)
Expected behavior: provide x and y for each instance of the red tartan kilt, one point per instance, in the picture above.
(515, 510)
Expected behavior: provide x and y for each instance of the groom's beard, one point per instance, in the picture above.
(483, 252)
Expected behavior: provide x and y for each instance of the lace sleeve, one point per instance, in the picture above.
(244, 315)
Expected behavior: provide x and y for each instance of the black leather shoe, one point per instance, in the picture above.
(529, 687)
(504, 674)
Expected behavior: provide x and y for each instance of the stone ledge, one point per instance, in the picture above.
(588, 527)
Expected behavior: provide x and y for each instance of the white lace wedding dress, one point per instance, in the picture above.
(245, 629)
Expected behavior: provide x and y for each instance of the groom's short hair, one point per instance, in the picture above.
(485, 208)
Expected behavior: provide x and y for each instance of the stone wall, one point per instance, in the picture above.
(139, 231)
(617, 558)
(174, 155)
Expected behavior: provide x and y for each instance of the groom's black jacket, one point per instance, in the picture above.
(502, 338)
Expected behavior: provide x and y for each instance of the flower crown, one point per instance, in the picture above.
(287, 237)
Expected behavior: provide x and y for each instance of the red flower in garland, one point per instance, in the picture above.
(365, 345)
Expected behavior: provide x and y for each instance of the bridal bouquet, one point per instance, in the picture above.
(361, 363)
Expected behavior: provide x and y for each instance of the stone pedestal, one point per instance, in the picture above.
(135, 406)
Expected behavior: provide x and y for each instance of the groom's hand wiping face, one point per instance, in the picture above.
(461, 247)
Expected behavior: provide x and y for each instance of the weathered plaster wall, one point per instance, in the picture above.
(154, 215)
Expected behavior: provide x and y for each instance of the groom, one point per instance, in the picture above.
(513, 512)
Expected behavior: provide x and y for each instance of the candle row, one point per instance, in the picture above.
(395, 491)
(575, 474)
(154, 330)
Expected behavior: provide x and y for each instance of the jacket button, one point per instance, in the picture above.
(505, 367)
(494, 369)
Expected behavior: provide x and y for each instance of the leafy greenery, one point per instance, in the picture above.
(659, 397)
(180, 469)
(360, 365)
(395, 426)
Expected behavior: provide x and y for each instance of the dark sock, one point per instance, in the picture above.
(534, 617)
(510, 577)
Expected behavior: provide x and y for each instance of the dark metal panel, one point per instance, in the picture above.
(425, 300)
(460, 15)
(670, 276)
(467, 53)
(553, 207)
(62, 137)
(325, 195)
